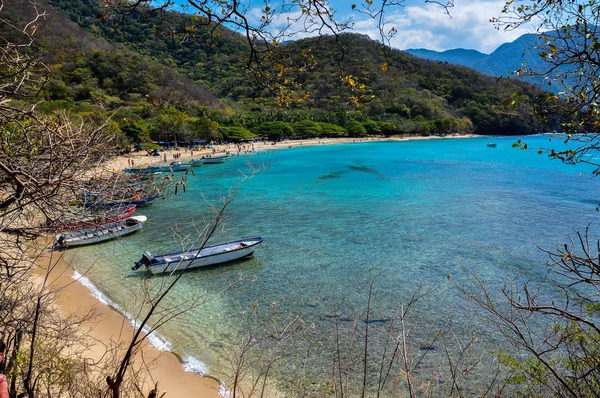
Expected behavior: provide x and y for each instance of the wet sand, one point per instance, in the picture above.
(111, 327)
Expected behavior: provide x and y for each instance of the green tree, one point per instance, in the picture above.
(275, 130)
(355, 129)
(307, 128)
(236, 133)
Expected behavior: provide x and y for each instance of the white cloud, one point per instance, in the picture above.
(418, 24)
(427, 26)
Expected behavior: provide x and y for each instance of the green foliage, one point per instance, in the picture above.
(331, 130)
(236, 133)
(307, 128)
(205, 128)
(355, 129)
(275, 130)
(413, 96)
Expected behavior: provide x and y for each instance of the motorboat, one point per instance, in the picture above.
(101, 233)
(195, 162)
(195, 258)
(175, 166)
(214, 158)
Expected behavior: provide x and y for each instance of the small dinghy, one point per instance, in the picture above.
(208, 255)
(101, 232)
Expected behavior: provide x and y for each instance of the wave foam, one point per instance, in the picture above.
(97, 294)
(191, 364)
(155, 339)
(224, 392)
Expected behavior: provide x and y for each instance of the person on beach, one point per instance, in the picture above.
(3, 379)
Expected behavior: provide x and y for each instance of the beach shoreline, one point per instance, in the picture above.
(111, 328)
(142, 159)
(77, 298)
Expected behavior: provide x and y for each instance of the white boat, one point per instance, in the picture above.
(175, 166)
(195, 162)
(101, 232)
(195, 258)
(214, 158)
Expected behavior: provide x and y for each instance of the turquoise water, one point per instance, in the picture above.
(408, 214)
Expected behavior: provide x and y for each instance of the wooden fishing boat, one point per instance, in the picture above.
(195, 162)
(142, 170)
(101, 233)
(208, 159)
(195, 258)
(91, 220)
(175, 166)
(141, 202)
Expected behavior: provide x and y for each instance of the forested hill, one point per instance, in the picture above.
(213, 60)
(88, 68)
(413, 88)
(129, 65)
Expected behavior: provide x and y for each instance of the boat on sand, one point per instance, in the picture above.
(195, 258)
(91, 220)
(101, 232)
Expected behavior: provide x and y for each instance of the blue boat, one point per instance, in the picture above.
(123, 203)
(142, 170)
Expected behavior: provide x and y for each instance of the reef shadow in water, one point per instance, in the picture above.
(365, 169)
(332, 176)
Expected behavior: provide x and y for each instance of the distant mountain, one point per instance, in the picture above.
(502, 62)
(458, 56)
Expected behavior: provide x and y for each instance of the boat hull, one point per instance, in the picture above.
(91, 222)
(214, 159)
(195, 163)
(209, 255)
(101, 233)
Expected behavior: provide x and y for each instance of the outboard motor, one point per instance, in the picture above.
(146, 259)
(61, 240)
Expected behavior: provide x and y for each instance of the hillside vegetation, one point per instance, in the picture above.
(168, 78)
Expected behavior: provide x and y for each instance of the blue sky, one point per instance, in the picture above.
(419, 24)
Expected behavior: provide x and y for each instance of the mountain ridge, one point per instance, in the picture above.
(503, 61)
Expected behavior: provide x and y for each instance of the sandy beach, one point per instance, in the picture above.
(111, 326)
(141, 159)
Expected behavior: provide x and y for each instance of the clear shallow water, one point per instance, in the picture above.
(333, 217)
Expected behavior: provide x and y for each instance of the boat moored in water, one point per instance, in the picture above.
(142, 170)
(175, 166)
(214, 158)
(492, 145)
(137, 201)
(195, 162)
(101, 232)
(195, 258)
